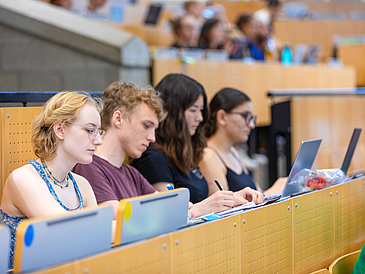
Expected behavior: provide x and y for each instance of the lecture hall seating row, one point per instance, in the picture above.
(303, 234)
(15, 139)
(256, 79)
(353, 55)
(235, 8)
(316, 32)
(300, 235)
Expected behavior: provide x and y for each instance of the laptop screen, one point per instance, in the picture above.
(305, 157)
(350, 150)
(153, 14)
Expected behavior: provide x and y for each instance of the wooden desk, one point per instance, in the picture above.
(354, 55)
(15, 149)
(256, 79)
(299, 235)
(332, 118)
(235, 8)
(316, 32)
(151, 35)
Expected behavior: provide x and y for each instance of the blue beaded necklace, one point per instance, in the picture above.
(56, 182)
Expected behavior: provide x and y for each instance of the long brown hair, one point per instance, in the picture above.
(179, 92)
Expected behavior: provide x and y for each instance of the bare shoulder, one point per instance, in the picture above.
(210, 157)
(86, 190)
(22, 176)
(82, 182)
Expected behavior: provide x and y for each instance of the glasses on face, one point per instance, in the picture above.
(248, 116)
(92, 131)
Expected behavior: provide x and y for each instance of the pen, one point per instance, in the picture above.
(218, 185)
(170, 187)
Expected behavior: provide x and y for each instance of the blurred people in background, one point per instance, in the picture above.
(213, 35)
(185, 31)
(267, 15)
(92, 5)
(194, 8)
(95, 4)
(67, 4)
(250, 46)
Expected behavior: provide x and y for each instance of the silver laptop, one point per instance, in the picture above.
(305, 157)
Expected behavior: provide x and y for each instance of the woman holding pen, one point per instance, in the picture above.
(174, 157)
(231, 120)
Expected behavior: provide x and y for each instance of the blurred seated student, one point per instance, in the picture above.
(231, 120)
(213, 35)
(180, 141)
(268, 14)
(249, 47)
(66, 132)
(194, 8)
(67, 4)
(130, 117)
(92, 5)
(185, 31)
(95, 4)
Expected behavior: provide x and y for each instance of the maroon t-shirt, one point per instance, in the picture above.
(113, 183)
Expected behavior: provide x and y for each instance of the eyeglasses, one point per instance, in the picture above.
(247, 116)
(92, 131)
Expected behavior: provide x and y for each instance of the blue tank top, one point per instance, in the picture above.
(236, 181)
(12, 222)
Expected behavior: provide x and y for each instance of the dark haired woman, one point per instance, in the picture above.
(179, 146)
(231, 120)
(213, 35)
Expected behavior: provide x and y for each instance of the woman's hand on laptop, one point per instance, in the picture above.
(277, 187)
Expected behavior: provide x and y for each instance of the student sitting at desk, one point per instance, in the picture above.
(231, 120)
(248, 47)
(65, 133)
(213, 35)
(130, 117)
(180, 141)
(185, 31)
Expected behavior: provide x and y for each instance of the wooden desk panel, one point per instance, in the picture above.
(152, 256)
(151, 35)
(213, 247)
(348, 233)
(15, 139)
(332, 119)
(255, 79)
(313, 231)
(316, 32)
(266, 242)
(235, 8)
(354, 55)
(71, 268)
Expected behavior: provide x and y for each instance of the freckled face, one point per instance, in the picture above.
(76, 140)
